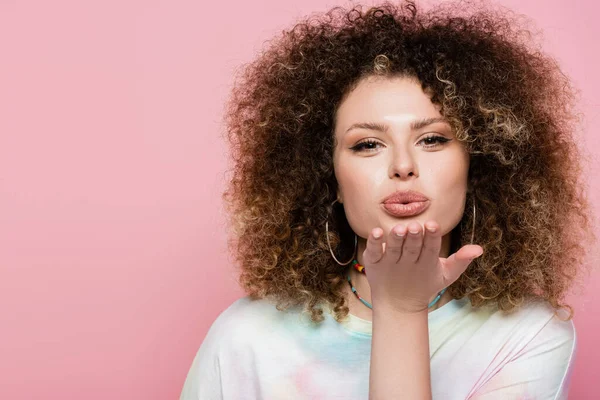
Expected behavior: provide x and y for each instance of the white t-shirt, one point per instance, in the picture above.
(254, 351)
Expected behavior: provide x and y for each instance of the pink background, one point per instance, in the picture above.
(113, 262)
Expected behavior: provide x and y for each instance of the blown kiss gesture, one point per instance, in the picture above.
(405, 270)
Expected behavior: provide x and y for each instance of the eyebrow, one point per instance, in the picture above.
(414, 125)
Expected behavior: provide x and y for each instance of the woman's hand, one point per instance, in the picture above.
(405, 272)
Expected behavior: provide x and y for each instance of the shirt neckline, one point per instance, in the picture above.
(362, 326)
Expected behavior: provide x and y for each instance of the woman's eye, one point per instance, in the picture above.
(367, 144)
(434, 141)
(429, 142)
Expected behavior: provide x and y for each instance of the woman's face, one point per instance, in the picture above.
(401, 158)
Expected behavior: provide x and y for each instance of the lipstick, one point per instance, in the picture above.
(406, 210)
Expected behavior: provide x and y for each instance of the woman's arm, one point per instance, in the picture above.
(400, 366)
(403, 275)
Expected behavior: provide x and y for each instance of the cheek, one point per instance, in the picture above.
(361, 187)
(451, 186)
(451, 171)
(361, 182)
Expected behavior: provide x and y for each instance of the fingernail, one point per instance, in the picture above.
(376, 235)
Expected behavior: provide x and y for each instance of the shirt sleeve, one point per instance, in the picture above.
(203, 380)
(542, 370)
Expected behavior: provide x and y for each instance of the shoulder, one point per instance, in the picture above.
(551, 332)
(534, 355)
(540, 317)
(539, 327)
(227, 343)
(533, 316)
(246, 312)
(246, 319)
(533, 330)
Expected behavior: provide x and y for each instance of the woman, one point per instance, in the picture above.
(443, 127)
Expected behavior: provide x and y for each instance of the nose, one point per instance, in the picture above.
(402, 164)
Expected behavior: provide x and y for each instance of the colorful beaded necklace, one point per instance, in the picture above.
(361, 269)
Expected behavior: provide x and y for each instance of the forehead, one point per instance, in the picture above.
(395, 100)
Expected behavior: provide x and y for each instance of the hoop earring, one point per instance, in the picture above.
(473, 229)
(355, 238)
(329, 244)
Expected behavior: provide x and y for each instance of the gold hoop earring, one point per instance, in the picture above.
(473, 229)
(329, 244)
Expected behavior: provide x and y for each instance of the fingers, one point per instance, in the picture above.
(457, 263)
(374, 249)
(413, 242)
(395, 241)
(432, 242)
(468, 252)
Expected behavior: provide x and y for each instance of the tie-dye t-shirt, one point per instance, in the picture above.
(254, 351)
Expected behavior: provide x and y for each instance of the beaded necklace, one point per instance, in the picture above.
(361, 269)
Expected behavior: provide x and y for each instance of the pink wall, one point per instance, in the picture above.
(113, 261)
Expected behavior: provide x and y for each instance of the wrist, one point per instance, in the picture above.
(401, 309)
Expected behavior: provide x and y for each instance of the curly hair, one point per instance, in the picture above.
(509, 103)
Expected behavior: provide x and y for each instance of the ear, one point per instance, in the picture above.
(339, 198)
